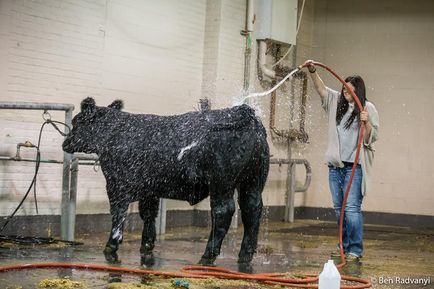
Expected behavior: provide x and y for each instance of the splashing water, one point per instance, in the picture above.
(260, 94)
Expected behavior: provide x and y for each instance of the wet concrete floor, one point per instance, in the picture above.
(395, 257)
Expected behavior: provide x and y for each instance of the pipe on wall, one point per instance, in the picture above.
(247, 32)
(262, 59)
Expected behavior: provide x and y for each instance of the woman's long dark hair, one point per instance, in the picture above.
(359, 89)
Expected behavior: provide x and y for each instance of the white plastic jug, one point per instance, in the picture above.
(329, 277)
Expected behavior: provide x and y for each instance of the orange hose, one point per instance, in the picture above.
(201, 272)
(206, 271)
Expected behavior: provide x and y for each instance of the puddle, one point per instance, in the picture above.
(392, 255)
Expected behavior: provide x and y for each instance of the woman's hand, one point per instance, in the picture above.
(364, 116)
(310, 66)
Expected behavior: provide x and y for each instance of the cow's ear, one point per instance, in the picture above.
(88, 105)
(117, 104)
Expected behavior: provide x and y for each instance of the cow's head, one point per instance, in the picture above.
(88, 127)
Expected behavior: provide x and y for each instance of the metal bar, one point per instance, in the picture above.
(65, 207)
(161, 217)
(248, 48)
(287, 161)
(36, 106)
(304, 162)
(87, 157)
(290, 205)
(4, 158)
(72, 202)
(308, 178)
(290, 190)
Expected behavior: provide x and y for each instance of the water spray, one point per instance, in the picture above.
(267, 92)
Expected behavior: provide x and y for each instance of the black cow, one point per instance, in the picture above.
(184, 157)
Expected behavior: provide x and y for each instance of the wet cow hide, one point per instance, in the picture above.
(186, 157)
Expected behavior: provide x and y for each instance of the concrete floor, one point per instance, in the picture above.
(302, 247)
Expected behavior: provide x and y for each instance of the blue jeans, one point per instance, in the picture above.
(352, 237)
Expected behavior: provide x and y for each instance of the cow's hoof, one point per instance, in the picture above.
(111, 256)
(147, 260)
(207, 261)
(245, 268)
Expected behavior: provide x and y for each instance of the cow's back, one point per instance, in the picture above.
(180, 156)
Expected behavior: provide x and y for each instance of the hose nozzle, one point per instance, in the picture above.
(306, 63)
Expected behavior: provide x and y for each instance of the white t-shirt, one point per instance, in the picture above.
(333, 153)
(348, 137)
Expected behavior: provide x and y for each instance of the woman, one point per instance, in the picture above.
(344, 118)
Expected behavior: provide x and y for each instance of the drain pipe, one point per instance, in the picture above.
(262, 58)
(247, 32)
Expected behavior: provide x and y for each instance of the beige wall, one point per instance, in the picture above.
(162, 56)
(148, 53)
(391, 44)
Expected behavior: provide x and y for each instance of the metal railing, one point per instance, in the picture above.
(70, 164)
(67, 108)
(291, 188)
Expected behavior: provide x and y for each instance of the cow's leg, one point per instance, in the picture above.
(222, 209)
(118, 211)
(148, 209)
(250, 201)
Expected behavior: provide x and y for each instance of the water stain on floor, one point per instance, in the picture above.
(395, 257)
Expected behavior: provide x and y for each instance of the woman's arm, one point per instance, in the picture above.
(372, 123)
(317, 81)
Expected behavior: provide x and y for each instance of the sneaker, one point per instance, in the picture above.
(352, 257)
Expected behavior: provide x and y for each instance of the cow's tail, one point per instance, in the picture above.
(256, 170)
(262, 151)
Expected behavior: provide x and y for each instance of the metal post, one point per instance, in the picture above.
(72, 202)
(161, 217)
(290, 187)
(247, 32)
(36, 106)
(65, 220)
(290, 206)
